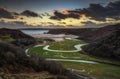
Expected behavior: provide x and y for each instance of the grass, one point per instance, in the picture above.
(69, 55)
(42, 75)
(100, 71)
(64, 45)
(39, 51)
(69, 44)
(6, 38)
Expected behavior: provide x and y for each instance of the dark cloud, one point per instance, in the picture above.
(60, 15)
(40, 16)
(12, 25)
(88, 23)
(96, 11)
(113, 9)
(50, 23)
(4, 13)
(62, 22)
(19, 22)
(29, 13)
(15, 13)
(47, 14)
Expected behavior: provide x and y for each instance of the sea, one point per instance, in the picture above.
(30, 32)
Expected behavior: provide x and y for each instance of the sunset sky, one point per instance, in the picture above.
(65, 13)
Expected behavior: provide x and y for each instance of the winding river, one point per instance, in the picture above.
(71, 60)
(78, 48)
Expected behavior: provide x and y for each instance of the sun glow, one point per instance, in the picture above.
(68, 22)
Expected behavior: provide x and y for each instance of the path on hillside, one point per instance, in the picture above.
(78, 48)
(73, 73)
(71, 60)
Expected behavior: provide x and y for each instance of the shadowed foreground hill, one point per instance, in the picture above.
(14, 61)
(108, 47)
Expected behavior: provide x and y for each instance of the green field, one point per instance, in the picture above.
(64, 45)
(100, 71)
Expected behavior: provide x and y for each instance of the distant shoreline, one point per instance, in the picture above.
(50, 28)
(46, 28)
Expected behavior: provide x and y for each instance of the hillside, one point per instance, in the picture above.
(16, 64)
(81, 32)
(107, 47)
(88, 34)
(16, 37)
(99, 33)
(13, 61)
(104, 41)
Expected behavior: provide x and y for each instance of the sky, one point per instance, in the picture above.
(59, 12)
(48, 5)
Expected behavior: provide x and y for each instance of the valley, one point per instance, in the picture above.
(59, 39)
(77, 61)
(64, 55)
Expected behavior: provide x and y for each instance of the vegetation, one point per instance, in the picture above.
(23, 76)
(13, 61)
(106, 47)
(41, 75)
(69, 55)
(100, 71)
(64, 45)
(6, 38)
(16, 37)
(69, 45)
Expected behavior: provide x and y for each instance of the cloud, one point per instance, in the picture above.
(13, 25)
(29, 13)
(95, 15)
(19, 22)
(95, 11)
(15, 13)
(4, 13)
(59, 15)
(47, 14)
